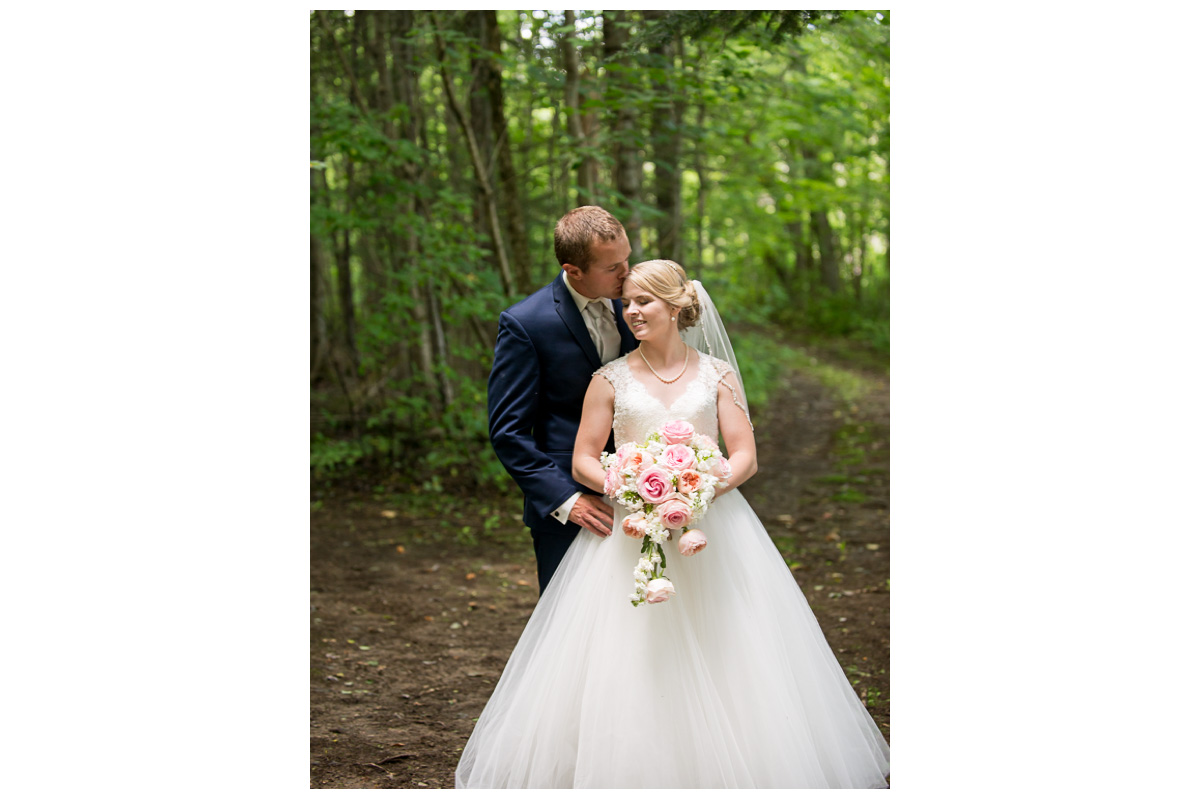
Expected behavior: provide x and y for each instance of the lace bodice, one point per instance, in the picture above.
(636, 412)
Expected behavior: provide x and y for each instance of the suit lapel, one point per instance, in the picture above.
(567, 311)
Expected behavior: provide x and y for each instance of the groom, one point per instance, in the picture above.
(548, 346)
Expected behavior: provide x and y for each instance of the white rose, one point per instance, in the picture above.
(659, 590)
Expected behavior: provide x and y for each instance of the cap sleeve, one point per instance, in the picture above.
(724, 372)
(608, 373)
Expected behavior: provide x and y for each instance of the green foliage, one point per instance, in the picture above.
(774, 354)
(329, 456)
(761, 373)
(783, 118)
(778, 24)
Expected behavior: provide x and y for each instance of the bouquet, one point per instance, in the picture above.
(667, 483)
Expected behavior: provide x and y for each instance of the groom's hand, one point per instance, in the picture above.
(592, 513)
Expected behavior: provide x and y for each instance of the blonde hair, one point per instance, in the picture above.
(667, 281)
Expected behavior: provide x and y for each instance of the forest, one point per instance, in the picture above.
(749, 146)
(752, 147)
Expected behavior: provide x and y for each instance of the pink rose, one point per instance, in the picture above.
(721, 469)
(692, 542)
(677, 432)
(674, 512)
(659, 590)
(623, 453)
(689, 481)
(634, 525)
(707, 443)
(612, 481)
(654, 484)
(677, 457)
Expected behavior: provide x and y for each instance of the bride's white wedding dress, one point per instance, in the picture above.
(729, 684)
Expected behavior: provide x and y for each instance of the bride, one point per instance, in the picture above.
(727, 684)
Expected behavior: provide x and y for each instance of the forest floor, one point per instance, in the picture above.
(417, 598)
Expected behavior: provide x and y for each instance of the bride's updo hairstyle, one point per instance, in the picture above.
(667, 281)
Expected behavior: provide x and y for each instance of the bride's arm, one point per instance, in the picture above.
(738, 435)
(595, 424)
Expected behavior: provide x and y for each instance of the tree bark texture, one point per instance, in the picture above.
(346, 297)
(699, 157)
(510, 185)
(480, 167)
(585, 192)
(667, 121)
(627, 157)
(316, 314)
(827, 244)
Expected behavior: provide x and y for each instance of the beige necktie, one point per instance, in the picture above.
(604, 330)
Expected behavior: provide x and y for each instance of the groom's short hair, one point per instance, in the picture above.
(579, 229)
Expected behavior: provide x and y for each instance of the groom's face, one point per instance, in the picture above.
(606, 276)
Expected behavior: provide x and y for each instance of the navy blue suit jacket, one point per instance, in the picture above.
(544, 362)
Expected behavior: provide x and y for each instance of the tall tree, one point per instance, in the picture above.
(510, 184)
(479, 164)
(585, 180)
(318, 336)
(450, 139)
(622, 85)
(670, 105)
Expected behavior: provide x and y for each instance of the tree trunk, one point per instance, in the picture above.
(439, 337)
(478, 103)
(585, 192)
(318, 337)
(345, 280)
(385, 90)
(356, 94)
(510, 185)
(827, 245)
(823, 234)
(628, 159)
(424, 343)
(316, 317)
(854, 240)
(346, 297)
(670, 108)
(480, 166)
(801, 262)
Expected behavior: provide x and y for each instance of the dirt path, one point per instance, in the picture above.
(417, 600)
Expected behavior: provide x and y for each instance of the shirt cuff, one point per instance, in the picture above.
(563, 512)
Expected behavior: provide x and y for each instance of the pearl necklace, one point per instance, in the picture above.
(687, 353)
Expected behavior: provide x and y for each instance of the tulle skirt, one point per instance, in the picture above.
(729, 684)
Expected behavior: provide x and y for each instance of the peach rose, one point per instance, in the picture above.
(623, 453)
(654, 484)
(677, 432)
(638, 460)
(692, 542)
(674, 512)
(634, 525)
(689, 481)
(659, 590)
(678, 456)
